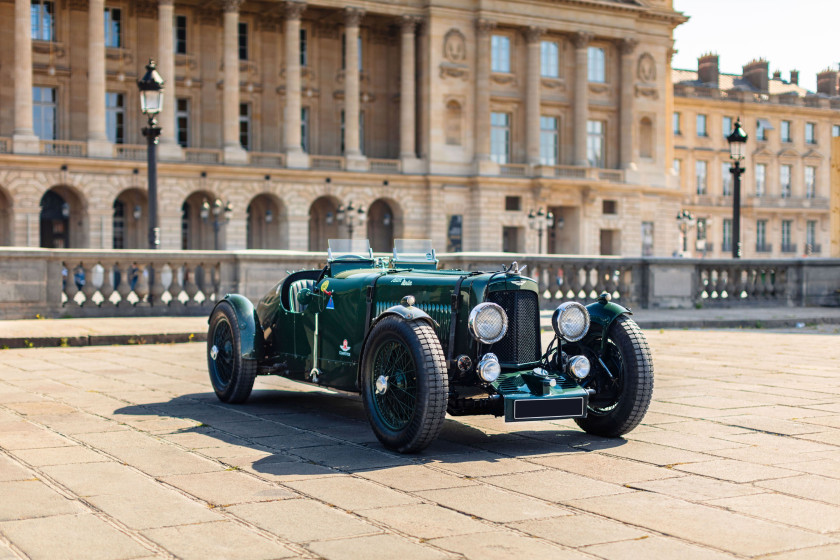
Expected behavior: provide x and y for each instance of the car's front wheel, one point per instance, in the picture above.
(625, 386)
(404, 384)
(232, 376)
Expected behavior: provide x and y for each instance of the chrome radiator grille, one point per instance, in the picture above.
(521, 344)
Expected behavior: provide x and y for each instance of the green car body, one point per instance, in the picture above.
(316, 327)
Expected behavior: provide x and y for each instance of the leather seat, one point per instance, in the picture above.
(294, 290)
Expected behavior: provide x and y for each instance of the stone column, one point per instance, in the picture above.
(626, 144)
(532, 95)
(352, 150)
(581, 103)
(483, 29)
(24, 140)
(233, 151)
(169, 148)
(291, 112)
(97, 139)
(408, 148)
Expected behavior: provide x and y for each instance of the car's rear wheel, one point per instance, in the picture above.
(404, 384)
(231, 375)
(623, 392)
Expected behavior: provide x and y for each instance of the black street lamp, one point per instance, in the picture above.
(540, 221)
(351, 216)
(737, 140)
(151, 102)
(217, 209)
(685, 221)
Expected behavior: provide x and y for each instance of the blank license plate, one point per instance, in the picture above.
(542, 409)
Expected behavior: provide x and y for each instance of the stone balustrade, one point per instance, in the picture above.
(91, 283)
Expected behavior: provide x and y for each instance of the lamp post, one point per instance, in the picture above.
(540, 221)
(685, 221)
(351, 216)
(217, 209)
(151, 102)
(737, 140)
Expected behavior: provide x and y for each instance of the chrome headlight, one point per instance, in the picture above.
(570, 321)
(488, 322)
(579, 366)
(489, 368)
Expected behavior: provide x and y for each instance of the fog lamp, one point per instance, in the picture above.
(579, 366)
(489, 368)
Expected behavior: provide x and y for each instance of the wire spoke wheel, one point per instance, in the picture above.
(231, 375)
(396, 404)
(223, 342)
(404, 383)
(623, 395)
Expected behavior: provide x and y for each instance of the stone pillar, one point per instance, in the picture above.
(97, 139)
(233, 151)
(169, 148)
(626, 145)
(483, 29)
(581, 103)
(295, 157)
(352, 150)
(532, 95)
(24, 140)
(408, 132)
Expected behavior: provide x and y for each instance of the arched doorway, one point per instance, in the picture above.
(197, 225)
(63, 217)
(266, 223)
(380, 226)
(5, 218)
(131, 218)
(323, 224)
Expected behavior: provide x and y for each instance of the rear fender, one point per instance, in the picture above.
(603, 314)
(252, 340)
(406, 313)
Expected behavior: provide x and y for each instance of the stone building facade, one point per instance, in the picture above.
(451, 120)
(786, 186)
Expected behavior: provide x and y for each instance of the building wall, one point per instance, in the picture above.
(773, 206)
(426, 178)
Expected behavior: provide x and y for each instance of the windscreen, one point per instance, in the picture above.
(413, 250)
(358, 248)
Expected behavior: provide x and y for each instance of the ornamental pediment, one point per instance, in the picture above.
(812, 154)
(788, 152)
(762, 152)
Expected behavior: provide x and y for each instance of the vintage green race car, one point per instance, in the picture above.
(418, 342)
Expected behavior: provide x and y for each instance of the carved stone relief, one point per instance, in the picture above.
(647, 68)
(455, 56)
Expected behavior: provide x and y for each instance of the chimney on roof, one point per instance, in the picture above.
(794, 77)
(756, 72)
(827, 82)
(777, 74)
(707, 69)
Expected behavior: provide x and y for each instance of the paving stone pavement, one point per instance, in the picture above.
(124, 452)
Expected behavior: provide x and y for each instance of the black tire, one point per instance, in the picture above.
(409, 414)
(620, 405)
(231, 375)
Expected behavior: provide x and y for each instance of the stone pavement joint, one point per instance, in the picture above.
(125, 452)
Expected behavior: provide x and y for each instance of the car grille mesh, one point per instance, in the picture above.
(521, 344)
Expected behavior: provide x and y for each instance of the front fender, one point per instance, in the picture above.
(603, 313)
(251, 338)
(407, 313)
